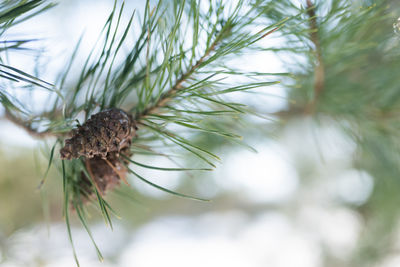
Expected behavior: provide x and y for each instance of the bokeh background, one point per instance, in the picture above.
(296, 199)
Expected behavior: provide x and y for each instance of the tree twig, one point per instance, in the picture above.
(27, 126)
(319, 71)
(161, 102)
(167, 96)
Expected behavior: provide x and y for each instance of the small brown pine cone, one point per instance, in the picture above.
(105, 132)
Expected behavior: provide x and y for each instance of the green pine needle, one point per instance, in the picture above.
(165, 189)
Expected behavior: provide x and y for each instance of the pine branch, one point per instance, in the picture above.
(299, 37)
(165, 98)
(319, 71)
(27, 126)
(169, 95)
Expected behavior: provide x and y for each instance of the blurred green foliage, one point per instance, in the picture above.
(21, 203)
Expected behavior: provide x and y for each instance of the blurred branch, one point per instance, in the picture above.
(289, 113)
(27, 126)
(319, 72)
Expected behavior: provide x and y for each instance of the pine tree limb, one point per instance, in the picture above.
(27, 126)
(166, 97)
(319, 71)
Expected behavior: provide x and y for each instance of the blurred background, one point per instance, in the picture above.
(298, 199)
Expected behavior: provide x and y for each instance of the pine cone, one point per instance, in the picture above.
(101, 140)
(108, 131)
